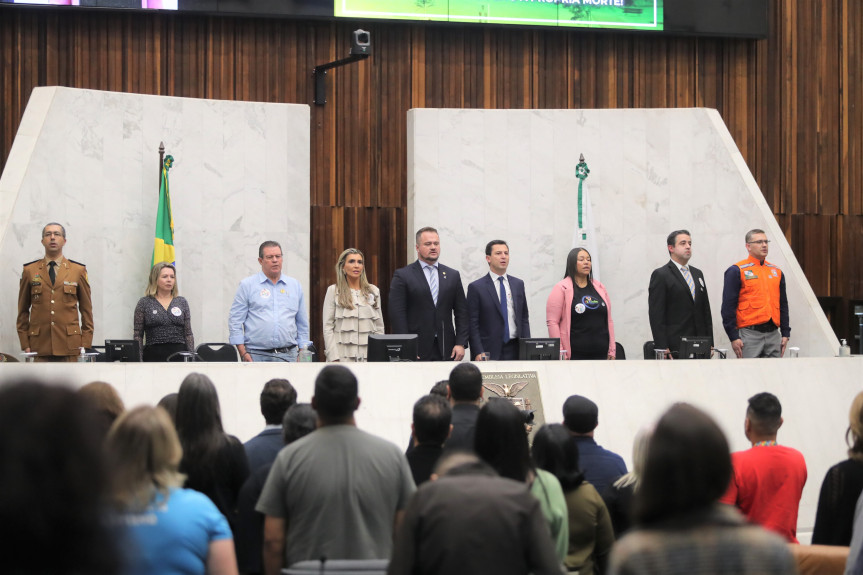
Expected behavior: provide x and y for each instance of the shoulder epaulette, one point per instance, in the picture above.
(74, 262)
(749, 265)
(31, 263)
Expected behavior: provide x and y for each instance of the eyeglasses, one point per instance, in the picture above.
(760, 242)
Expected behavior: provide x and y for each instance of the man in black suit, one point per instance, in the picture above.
(677, 298)
(424, 297)
(497, 308)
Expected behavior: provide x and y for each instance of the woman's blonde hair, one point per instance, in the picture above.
(144, 454)
(154, 277)
(854, 435)
(343, 290)
(639, 456)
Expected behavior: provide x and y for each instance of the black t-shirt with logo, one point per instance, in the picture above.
(588, 333)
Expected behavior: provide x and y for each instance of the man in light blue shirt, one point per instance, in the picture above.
(268, 318)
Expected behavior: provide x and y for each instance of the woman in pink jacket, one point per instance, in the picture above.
(578, 311)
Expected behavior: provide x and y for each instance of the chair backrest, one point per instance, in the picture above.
(340, 566)
(183, 356)
(648, 349)
(217, 352)
(619, 353)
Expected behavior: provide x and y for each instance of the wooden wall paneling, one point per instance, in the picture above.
(787, 55)
(851, 74)
(828, 48)
(810, 233)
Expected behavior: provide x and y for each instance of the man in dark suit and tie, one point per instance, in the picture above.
(425, 296)
(497, 308)
(677, 298)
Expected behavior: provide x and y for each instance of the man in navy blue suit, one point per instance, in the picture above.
(425, 296)
(497, 307)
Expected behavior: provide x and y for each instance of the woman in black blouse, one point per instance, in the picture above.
(163, 317)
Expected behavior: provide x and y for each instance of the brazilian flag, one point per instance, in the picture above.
(163, 245)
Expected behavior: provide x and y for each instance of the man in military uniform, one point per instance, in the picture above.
(53, 291)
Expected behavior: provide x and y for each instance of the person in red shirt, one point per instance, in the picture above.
(768, 479)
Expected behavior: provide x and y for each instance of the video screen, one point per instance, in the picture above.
(619, 14)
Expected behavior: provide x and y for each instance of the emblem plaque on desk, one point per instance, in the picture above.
(521, 388)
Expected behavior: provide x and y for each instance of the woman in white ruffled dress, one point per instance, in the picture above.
(352, 310)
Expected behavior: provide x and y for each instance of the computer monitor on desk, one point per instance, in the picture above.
(532, 348)
(393, 347)
(123, 350)
(694, 348)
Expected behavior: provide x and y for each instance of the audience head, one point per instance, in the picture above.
(854, 436)
(336, 395)
(276, 397)
(299, 421)
(556, 452)
(52, 483)
(169, 404)
(431, 420)
(440, 388)
(455, 462)
(105, 400)
(501, 439)
(580, 415)
(144, 453)
(639, 456)
(688, 466)
(763, 416)
(465, 383)
(199, 419)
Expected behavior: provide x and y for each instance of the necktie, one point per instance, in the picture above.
(51, 273)
(432, 276)
(504, 311)
(688, 277)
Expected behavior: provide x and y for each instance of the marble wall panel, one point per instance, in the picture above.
(89, 159)
(652, 171)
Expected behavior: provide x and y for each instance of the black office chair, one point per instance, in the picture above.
(181, 356)
(620, 353)
(224, 352)
(339, 566)
(649, 346)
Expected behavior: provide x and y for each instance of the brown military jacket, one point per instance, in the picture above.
(48, 314)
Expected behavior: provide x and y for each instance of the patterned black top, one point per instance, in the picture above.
(160, 325)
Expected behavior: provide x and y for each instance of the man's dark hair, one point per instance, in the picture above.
(276, 397)
(465, 382)
(299, 421)
(764, 413)
(672, 237)
(432, 418)
(688, 466)
(439, 388)
(421, 231)
(493, 243)
(336, 393)
(268, 244)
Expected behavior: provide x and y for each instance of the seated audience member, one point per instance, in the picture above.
(299, 421)
(169, 529)
(338, 492)
(590, 533)
(768, 478)
(601, 467)
(214, 462)
(501, 441)
(169, 404)
(464, 394)
(470, 520)
(276, 397)
(440, 388)
(681, 528)
(842, 487)
(52, 484)
(430, 428)
(106, 401)
(619, 497)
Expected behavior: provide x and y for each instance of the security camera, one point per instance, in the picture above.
(361, 42)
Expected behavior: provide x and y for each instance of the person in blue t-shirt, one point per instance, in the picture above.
(167, 529)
